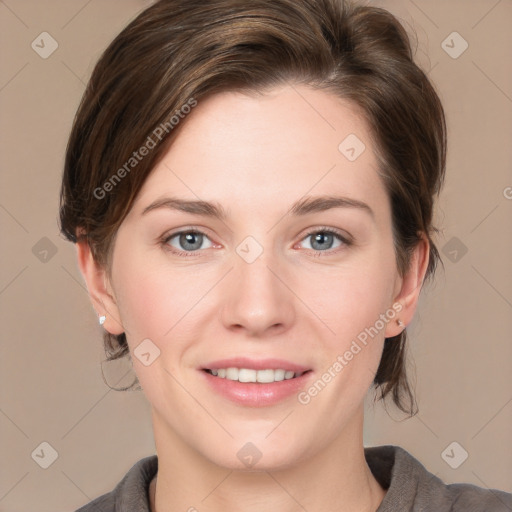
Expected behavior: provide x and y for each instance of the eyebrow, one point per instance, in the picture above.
(299, 208)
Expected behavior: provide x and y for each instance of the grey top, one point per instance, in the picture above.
(410, 487)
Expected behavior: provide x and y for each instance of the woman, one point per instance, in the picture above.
(250, 187)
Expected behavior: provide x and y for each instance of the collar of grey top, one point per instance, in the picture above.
(410, 487)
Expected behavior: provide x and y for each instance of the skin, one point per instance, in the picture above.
(256, 155)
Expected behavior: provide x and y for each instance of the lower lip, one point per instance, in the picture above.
(255, 394)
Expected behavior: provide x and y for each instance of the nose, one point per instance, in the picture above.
(257, 297)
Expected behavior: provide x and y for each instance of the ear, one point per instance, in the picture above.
(408, 288)
(99, 288)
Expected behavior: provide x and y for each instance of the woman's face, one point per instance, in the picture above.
(275, 284)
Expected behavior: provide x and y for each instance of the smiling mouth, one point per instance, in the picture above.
(266, 376)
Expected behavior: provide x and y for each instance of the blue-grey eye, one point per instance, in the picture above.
(323, 240)
(188, 240)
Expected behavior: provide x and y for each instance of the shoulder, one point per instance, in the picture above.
(411, 487)
(131, 493)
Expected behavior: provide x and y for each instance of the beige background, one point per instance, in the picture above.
(51, 384)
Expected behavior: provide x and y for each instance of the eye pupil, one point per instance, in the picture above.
(321, 238)
(188, 238)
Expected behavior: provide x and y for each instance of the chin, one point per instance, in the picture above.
(256, 456)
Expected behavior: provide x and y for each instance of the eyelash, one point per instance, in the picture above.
(322, 229)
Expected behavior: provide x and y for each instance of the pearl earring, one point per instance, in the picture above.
(102, 319)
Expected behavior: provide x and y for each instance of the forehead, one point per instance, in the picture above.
(257, 151)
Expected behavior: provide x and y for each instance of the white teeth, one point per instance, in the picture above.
(279, 374)
(266, 376)
(245, 375)
(250, 375)
(232, 373)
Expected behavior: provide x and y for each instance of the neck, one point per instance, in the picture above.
(336, 479)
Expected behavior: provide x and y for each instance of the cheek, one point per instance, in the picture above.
(351, 298)
(163, 303)
(155, 304)
(353, 302)
(141, 306)
(150, 298)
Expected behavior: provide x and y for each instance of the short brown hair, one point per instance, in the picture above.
(178, 50)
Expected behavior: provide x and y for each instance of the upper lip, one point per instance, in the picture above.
(256, 364)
